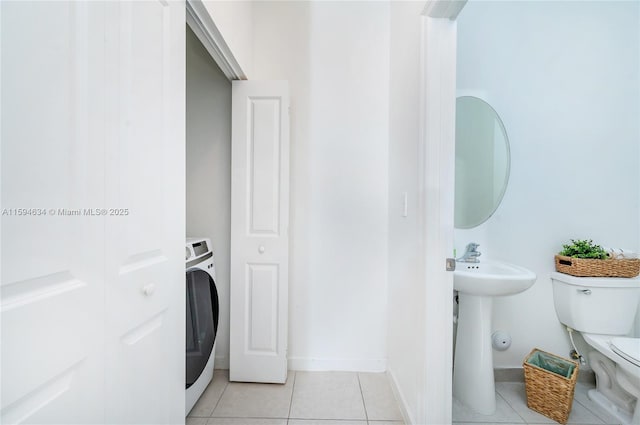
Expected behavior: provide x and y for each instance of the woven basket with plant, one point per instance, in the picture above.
(586, 259)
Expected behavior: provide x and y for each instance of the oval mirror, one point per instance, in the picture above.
(482, 162)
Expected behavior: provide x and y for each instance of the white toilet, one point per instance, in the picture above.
(604, 310)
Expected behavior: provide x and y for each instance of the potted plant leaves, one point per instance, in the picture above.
(584, 258)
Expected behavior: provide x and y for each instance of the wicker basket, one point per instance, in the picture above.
(598, 268)
(550, 393)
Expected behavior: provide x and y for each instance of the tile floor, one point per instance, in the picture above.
(308, 398)
(349, 398)
(512, 409)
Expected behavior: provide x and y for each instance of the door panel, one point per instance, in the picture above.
(259, 231)
(262, 309)
(145, 184)
(92, 292)
(52, 284)
(264, 166)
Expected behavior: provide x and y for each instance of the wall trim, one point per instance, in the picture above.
(337, 364)
(437, 157)
(205, 29)
(436, 186)
(400, 398)
(222, 362)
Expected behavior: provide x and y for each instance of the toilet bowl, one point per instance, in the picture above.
(603, 310)
(617, 370)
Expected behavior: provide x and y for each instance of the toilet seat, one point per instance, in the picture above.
(603, 343)
(627, 348)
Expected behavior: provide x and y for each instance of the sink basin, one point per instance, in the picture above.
(477, 284)
(492, 278)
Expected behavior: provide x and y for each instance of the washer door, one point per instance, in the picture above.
(202, 322)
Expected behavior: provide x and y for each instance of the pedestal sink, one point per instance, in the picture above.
(477, 284)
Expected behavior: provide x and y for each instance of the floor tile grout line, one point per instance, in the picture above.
(512, 408)
(293, 388)
(226, 385)
(589, 410)
(268, 418)
(594, 413)
(364, 404)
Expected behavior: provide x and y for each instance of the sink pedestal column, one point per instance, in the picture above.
(473, 380)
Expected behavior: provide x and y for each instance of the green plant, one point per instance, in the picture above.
(584, 249)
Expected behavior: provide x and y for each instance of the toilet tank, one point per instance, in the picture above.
(596, 304)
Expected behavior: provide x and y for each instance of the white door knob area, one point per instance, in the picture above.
(261, 249)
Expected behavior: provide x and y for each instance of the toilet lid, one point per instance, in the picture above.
(628, 348)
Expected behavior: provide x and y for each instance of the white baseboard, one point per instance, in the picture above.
(402, 402)
(345, 365)
(318, 364)
(222, 362)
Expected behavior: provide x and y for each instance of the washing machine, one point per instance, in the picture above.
(202, 318)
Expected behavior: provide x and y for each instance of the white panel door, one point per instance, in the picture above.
(145, 185)
(259, 231)
(52, 289)
(92, 293)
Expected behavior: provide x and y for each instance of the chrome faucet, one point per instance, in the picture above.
(470, 255)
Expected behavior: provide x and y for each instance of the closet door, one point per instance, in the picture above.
(259, 231)
(92, 291)
(145, 187)
(52, 290)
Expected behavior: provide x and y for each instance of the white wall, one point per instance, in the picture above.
(208, 172)
(407, 325)
(335, 56)
(564, 78)
(234, 20)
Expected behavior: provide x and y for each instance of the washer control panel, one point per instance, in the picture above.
(196, 248)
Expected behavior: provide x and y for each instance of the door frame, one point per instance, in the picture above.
(437, 156)
(437, 174)
(201, 23)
